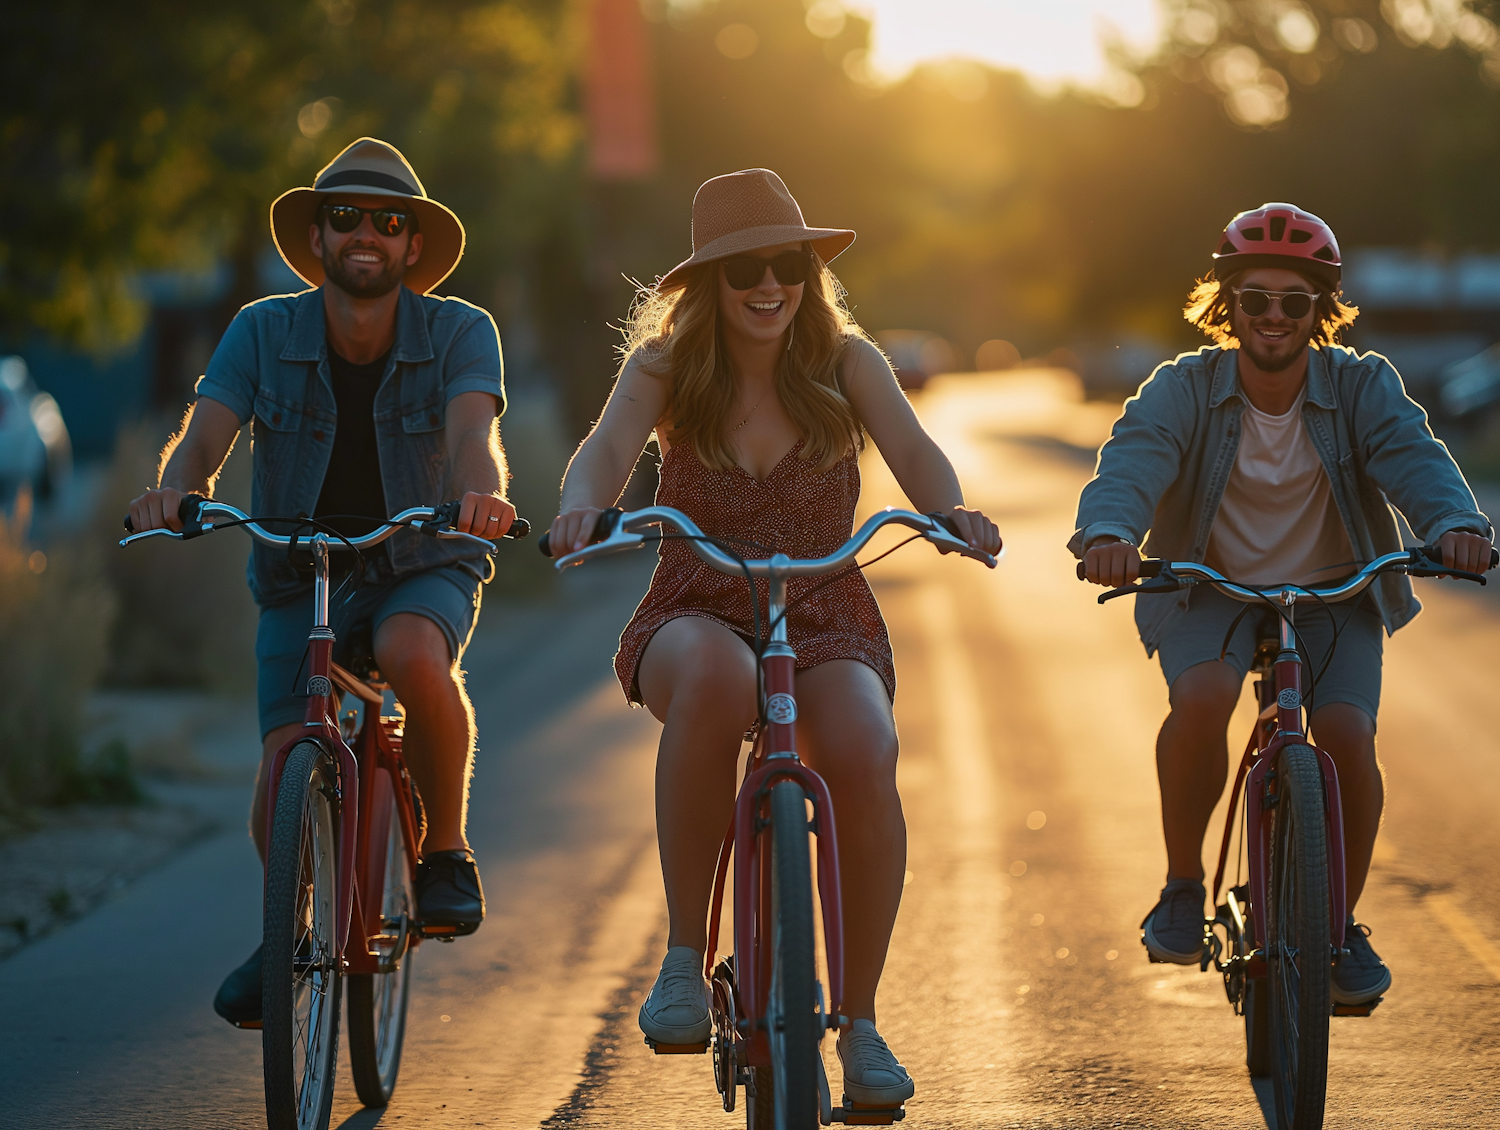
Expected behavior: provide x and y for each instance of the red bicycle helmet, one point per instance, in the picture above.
(1280, 235)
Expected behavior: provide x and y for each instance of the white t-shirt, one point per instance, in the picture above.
(1277, 521)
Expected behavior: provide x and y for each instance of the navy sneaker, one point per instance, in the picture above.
(238, 999)
(1173, 931)
(1359, 976)
(450, 900)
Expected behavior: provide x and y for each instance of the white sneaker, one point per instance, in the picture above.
(872, 1075)
(676, 1010)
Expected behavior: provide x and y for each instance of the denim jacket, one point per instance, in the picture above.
(271, 367)
(1168, 459)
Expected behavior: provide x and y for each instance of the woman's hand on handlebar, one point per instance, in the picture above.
(1465, 551)
(156, 510)
(1113, 563)
(572, 529)
(486, 515)
(976, 529)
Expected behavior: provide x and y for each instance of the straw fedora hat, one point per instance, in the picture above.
(369, 167)
(747, 210)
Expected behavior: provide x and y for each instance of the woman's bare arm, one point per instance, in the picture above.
(601, 466)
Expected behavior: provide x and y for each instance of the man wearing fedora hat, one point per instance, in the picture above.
(366, 395)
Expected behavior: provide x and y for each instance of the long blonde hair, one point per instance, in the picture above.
(674, 333)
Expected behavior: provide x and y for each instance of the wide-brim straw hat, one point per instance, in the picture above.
(369, 167)
(745, 211)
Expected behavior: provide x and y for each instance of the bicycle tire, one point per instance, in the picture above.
(301, 968)
(1298, 925)
(792, 1012)
(378, 1001)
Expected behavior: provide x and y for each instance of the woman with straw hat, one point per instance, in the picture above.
(759, 387)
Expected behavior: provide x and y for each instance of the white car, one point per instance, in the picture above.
(34, 446)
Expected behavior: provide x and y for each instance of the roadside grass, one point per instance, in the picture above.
(56, 609)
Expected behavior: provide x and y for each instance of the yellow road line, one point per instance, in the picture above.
(1467, 931)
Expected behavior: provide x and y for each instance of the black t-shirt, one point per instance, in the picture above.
(352, 484)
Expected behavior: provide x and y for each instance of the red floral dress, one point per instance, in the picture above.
(795, 510)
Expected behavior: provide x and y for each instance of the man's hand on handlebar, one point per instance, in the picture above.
(1112, 563)
(976, 529)
(156, 510)
(1466, 551)
(572, 529)
(485, 515)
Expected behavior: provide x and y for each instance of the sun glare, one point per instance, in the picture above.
(1054, 42)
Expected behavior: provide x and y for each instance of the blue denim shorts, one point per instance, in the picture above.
(449, 596)
(1351, 674)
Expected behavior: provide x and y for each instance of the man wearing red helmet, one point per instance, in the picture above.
(1274, 456)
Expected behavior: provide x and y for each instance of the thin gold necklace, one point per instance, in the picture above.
(750, 413)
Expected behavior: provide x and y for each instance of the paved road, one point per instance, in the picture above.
(1017, 992)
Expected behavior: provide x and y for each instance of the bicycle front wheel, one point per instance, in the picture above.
(300, 987)
(377, 1001)
(1299, 955)
(792, 1010)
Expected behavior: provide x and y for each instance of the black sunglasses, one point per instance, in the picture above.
(1295, 304)
(347, 217)
(744, 272)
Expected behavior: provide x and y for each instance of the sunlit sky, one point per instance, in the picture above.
(1053, 41)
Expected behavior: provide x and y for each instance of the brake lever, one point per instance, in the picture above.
(947, 526)
(1165, 581)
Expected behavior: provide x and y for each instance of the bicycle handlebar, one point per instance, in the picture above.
(1414, 561)
(197, 512)
(618, 530)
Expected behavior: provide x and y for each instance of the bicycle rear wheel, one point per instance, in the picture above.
(1299, 957)
(792, 1010)
(300, 987)
(377, 1001)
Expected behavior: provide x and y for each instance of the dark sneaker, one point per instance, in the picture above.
(1359, 976)
(238, 1000)
(1173, 931)
(450, 900)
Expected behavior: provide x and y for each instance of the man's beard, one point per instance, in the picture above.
(362, 285)
(1274, 360)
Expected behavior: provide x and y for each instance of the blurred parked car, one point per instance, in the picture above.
(34, 447)
(1472, 385)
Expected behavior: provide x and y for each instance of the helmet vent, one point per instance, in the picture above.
(1278, 228)
(1325, 252)
(1253, 233)
(1300, 236)
(1226, 248)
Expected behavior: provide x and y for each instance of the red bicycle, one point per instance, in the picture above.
(344, 830)
(770, 1009)
(1282, 923)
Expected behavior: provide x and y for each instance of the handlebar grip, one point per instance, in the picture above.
(520, 528)
(1150, 567)
(187, 511)
(608, 520)
(1435, 553)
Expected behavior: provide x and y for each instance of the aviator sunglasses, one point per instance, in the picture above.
(1295, 304)
(347, 217)
(744, 272)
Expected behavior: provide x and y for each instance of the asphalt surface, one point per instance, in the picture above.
(1017, 992)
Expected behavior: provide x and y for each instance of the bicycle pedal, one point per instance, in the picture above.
(676, 1049)
(1356, 1009)
(865, 1114)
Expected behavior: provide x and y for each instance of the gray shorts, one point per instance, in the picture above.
(1352, 674)
(448, 596)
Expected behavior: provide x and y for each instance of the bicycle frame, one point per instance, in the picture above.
(367, 782)
(774, 758)
(1280, 723)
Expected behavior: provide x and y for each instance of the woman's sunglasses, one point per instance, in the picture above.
(347, 217)
(744, 272)
(1295, 304)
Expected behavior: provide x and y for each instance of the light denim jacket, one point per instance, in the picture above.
(1168, 458)
(271, 367)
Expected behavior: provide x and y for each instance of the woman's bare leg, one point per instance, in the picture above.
(698, 678)
(845, 731)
